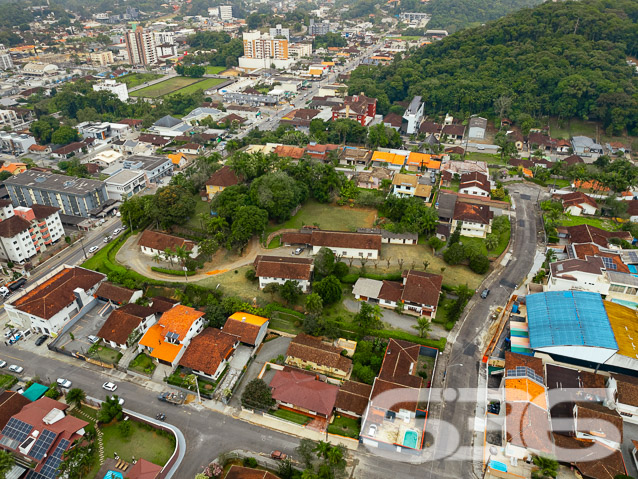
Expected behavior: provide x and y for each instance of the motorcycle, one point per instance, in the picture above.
(161, 417)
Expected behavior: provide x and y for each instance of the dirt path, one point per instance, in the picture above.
(130, 256)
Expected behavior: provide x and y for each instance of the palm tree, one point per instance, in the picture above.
(182, 256)
(6, 462)
(547, 467)
(76, 396)
(423, 326)
(157, 258)
(168, 255)
(322, 449)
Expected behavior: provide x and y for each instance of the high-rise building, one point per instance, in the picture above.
(5, 59)
(318, 28)
(226, 12)
(140, 46)
(102, 58)
(114, 87)
(258, 45)
(278, 31)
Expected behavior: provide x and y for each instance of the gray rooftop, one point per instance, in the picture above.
(389, 234)
(622, 278)
(477, 122)
(167, 122)
(53, 182)
(123, 177)
(146, 163)
(370, 288)
(415, 104)
(446, 204)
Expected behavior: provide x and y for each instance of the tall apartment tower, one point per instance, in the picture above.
(140, 46)
(261, 46)
(5, 58)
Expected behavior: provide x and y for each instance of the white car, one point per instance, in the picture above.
(2, 364)
(116, 231)
(92, 339)
(16, 369)
(120, 401)
(373, 430)
(93, 249)
(64, 383)
(109, 386)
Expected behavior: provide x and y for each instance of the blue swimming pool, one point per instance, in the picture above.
(498, 466)
(632, 268)
(113, 475)
(622, 302)
(410, 438)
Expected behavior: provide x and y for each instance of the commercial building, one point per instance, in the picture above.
(15, 143)
(26, 232)
(141, 48)
(39, 69)
(125, 184)
(101, 58)
(118, 89)
(155, 167)
(74, 196)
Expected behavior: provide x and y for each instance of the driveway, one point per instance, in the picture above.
(76, 338)
(269, 350)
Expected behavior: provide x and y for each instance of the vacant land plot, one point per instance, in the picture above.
(143, 442)
(234, 283)
(211, 70)
(196, 220)
(164, 88)
(329, 217)
(567, 128)
(136, 79)
(202, 85)
(606, 224)
(486, 157)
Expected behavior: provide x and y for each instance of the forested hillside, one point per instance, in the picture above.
(565, 59)
(454, 15)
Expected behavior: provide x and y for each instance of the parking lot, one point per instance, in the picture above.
(76, 339)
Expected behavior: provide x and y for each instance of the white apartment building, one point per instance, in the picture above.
(118, 89)
(141, 48)
(6, 62)
(26, 232)
(101, 58)
(300, 50)
(279, 31)
(15, 143)
(263, 51)
(164, 37)
(8, 118)
(226, 12)
(413, 115)
(125, 184)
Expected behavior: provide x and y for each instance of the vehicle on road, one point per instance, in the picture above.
(17, 284)
(15, 338)
(41, 340)
(64, 383)
(92, 339)
(14, 368)
(172, 398)
(93, 249)
(298, 250)
(109, 386)
(161, 416)
(485, 293)
(2, 364)
(9, 333)
(116, 231)
(278, 455)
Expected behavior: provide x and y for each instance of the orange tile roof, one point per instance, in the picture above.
(12, 167)
(418, 159)
(176, 158)
(528, 172)
(524, 389)
(179, 319)
(590, 185)
(387, 157)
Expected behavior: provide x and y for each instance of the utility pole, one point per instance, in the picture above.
(82, 244)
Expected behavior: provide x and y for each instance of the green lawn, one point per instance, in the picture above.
(480, 243)
(409, 38)
(275, 243)
(204, 84)
(236, 284)
(7, 380)
(328, 217)
(487, 157)
(603, 223)
(144, 442)
(567, 128)
(143, 364)
(164, 88)
(136, 79)
(104, 354)
(291, 416)
(211, 70)
(344, 426)
(201, 207)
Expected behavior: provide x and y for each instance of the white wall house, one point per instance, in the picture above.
(475, 184)
(125, 184)
(278, 269)
(118, 89)
(347, 245)
(476, 220)
(578, 274)
(624, 393)
(114, 323)
(154, 242)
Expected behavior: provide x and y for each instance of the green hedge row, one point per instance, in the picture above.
(352, 278)
(174, 272)
(282, 309)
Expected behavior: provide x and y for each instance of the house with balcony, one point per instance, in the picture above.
(279, 269)
(310, 353)
(475, 220)
(475, 184)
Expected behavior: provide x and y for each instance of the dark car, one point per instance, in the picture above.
(485, 293)
(17, 284)
(40, 341)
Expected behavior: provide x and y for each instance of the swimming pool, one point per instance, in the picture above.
(632, 268)
(113, 475)
(622, 302)
(410, 438)
(498, 466)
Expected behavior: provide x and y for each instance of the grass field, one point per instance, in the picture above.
(603, 223)
(164, 88)
(329, 217)
(566, 129)
(211, 70)
(136, 79)
(487, 157)
(144, 442)
(201, 207)
(291, 416)
(236, 284)
(344, 426)
(202, 85)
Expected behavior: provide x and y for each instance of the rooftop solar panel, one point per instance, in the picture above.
(42, 445)
(609, 263)
(16, 429)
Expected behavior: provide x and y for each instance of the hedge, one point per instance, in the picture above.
(174, 272)
(352, 278)
(278, 307)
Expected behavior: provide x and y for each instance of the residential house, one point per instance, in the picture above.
(596, 422)
(388, 237)
(308, 352)
(578, 274)
(300, 119)
(431, 128)
(475, 184)
(250, 329)
(516, 136)
(220, 180)
(591, 459)
(355, 156)
(155, 167)
(591, 234)
(454, 150)
(40, 434)
(540, 141)
(179, 159)
(143, 469)
(454, 133)
(346, 244)
(573, 160)
(617, 147)
(202, 113)
(50, 305)
(578, 203)
(117, 295)
(356, 107)
(352, 399)
(67, 151)
(476, 219)
(302, 392)
(167, 339)
(423, 162)
(454, 167)
(419, 292)
(279, 269)
(40, 150)
(476, 128)
(209, 353)
(387, 159)
(14, 168)
(155, 243)
(11, 403)
(373, 178)
(125, 325)
(585, 146)
(408, 186)
(390, 420)
(563, 147)
(191, 149)
(321, 152)
(445, 205)
(25, 232)
(157, 141)
(292, 152)
(632, 210)
(169, 126)
(623, 392)
(394, 121)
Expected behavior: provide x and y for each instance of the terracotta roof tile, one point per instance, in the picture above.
(527, 426)
(208, 349)
(422, 288)
(477, 179)
(304, 390)
(144, 469)
(118, 326)
(246, 331)
(11, 403)
(160, 241)
(353, 397)
(309, 348)
(343, 239)
(223, 177)
(473, 213)
(591, 234)
(598, 420)
(283, 267)
(112, 292)
(13, 226)
(592, 459)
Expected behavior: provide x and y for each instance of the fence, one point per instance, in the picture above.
(67, 327)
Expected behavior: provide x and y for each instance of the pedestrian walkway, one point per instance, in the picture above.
(98, 433)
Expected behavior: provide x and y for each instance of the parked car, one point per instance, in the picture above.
(15, 338)
(9, 333)
(373, 430)
(278, 455)
(116, 231)
(18, 283)
(298, 250)
(2, 364)
(41, 340)
(14, 368)
(92, 339)
(485, 293)
(93, 249)
(109, 386)
(64, 383)
(26, 333)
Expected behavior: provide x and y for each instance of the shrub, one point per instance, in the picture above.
(250, 275)
(249, 462)
(480, 264)
(174, 272)
(341, 269)
(124, 428)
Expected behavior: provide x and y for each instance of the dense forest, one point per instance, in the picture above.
(564, 59)
(454, 15)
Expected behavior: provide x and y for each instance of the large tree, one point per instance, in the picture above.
(329, 288)
(278, 194)
(257, 395)
(324, 262)
(173, 205)
(248, 222)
